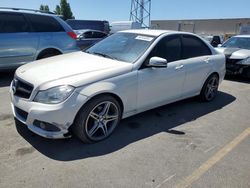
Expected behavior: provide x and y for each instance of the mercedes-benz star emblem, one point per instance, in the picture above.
(14, 85)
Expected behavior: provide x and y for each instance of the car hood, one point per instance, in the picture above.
(234, 53)
(74, 69)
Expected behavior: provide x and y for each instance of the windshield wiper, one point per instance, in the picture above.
(103, 55)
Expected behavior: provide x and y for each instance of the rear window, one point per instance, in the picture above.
(44, 23)
(194, 47)
(99, 35)
(13, 23)
(85, 24)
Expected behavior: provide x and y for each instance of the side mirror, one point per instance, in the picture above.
(219, 45)
(157, 62)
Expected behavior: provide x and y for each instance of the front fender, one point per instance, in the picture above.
(123, 86)
(98, 88)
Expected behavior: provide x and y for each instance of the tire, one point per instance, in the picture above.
(210, 88)
(97, 119)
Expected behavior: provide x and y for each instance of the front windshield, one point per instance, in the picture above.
(126, 47)
(237, 42)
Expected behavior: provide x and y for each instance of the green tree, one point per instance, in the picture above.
(58, 10)
(44, 8)
(64, 10)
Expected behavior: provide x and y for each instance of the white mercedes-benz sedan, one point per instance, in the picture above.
(125, 74)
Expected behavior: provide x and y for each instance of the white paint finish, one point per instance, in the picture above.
(241, 54)
(138, 89)
(155, 85)
(69, 67)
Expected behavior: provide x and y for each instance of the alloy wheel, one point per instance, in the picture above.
(102, 120)
(211, 88)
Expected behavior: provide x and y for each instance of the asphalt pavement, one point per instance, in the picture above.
(184, 144)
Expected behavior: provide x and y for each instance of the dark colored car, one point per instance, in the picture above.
(89, 24)
(86, 38)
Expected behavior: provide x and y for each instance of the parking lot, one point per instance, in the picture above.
(185, 144)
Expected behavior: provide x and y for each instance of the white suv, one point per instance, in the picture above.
(126, 73)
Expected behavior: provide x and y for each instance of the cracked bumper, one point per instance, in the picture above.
(60, 115)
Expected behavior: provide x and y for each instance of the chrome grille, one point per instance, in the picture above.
(21, 89)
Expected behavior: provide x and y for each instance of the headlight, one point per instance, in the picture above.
(245, 61)
(54, 95)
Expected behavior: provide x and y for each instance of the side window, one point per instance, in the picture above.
(1, 23)
(13, 23)
(44, 23)
(194, 47)
(168, 48)
(98, 35)
(88, 35)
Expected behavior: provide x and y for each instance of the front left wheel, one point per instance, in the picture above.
(97, 119)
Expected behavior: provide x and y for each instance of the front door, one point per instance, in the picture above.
(158, 86)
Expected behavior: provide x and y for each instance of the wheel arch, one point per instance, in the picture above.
(47, 50)
(213, 73)
(115, 96)
(109, 93)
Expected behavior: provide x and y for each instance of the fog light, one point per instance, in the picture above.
(46, 126)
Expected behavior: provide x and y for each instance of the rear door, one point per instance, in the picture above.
(50, 32)
(197, 56)
(17, 44)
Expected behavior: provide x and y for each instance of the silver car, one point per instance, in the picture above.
(26, 36)
(124, 74)
(237, 52)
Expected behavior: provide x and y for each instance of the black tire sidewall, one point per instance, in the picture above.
(203, 91)
(80, 122)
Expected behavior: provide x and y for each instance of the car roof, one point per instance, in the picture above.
(26, 11)
(153, 32)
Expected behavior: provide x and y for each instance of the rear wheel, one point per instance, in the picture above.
(210, 88)
(97, 119)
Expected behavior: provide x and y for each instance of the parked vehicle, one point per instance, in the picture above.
(26, 35)
(87, 37)
(214, 40)
(89, 24)
(245, 30)
(237, 52)
(124, 74)
(124, 25)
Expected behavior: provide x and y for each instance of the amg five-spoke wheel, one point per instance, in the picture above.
(98, 119)
(101, 120)
(210, 88)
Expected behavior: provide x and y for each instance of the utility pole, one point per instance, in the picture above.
(140, 12)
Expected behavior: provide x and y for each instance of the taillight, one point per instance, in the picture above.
(72, 35)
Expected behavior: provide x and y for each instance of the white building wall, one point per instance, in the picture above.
(209, 26)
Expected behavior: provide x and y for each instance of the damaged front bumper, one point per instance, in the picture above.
(237, 67)
(49, 121)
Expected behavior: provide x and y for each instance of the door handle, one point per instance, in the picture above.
(179, 67)
(207, 60)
